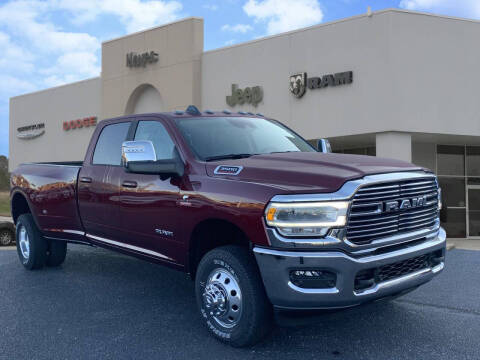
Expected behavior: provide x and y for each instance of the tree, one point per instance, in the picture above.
(4, 175)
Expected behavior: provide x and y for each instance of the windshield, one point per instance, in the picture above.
(214, 138)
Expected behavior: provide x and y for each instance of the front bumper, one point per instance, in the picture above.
(277, 265)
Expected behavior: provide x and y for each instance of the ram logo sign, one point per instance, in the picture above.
(405, 204)
(300, 82)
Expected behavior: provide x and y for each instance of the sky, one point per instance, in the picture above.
(47, 43)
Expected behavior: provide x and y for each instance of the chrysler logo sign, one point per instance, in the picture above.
(405, 204)
(31, 131)
(299, 82)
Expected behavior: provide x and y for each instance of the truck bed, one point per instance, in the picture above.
(51, 190)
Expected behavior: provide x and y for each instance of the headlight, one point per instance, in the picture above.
(306, 219)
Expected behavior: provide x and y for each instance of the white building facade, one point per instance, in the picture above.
(394, 84)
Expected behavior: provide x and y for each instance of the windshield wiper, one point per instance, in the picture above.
(228, 156)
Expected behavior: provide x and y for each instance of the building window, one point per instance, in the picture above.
(474, 211)
(453, 189)
(455, 223)
(458, 170)
(369, 150)
(450, 160)
(473, 161)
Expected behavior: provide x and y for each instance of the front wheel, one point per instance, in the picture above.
(231, 296)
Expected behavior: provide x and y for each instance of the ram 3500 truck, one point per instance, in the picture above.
(258, 217)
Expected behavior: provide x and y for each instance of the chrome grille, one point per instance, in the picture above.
(368, 219)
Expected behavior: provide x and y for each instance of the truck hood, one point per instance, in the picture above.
(306, 171)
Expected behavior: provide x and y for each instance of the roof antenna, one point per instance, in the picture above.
(369, 11)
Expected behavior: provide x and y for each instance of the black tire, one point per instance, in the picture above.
(57, 251)
(37, 245)
(7, 237)
(255, 320)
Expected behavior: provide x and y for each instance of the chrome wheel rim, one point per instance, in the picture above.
(5, 237)
(222, 298)
(24, 242)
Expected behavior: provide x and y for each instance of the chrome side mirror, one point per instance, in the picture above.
(140, 157)
(324, 146)
(141, 150)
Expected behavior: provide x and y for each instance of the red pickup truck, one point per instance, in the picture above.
(258, 217)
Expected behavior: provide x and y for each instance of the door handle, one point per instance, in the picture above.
(85, 179)
(129, 184)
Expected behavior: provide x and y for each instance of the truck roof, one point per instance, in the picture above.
(191, 111)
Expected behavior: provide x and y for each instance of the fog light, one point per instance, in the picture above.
(313, 279)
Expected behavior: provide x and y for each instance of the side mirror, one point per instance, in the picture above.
(140, 157)
(324, 146)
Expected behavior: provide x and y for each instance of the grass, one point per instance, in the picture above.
(4, 203)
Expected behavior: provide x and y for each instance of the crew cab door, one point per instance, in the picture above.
(98, 187)
(149, 214)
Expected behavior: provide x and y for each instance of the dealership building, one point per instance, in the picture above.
(392, 83)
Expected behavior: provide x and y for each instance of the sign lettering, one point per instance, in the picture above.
(31, 131)
(141, 60)
(80, 123)
(299, 82)
(250, 95)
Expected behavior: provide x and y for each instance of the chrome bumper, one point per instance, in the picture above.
(276, 265)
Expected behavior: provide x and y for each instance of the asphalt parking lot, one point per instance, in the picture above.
(100, 305)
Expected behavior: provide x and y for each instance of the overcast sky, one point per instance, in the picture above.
(45, 43)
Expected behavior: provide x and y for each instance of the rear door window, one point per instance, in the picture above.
(108, 150)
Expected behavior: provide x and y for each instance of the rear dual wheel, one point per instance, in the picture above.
(33, 249)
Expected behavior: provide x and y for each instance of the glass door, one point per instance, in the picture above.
(473, 211)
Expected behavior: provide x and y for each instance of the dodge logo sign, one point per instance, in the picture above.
(80, 123)
(405, 204)
(298, 84)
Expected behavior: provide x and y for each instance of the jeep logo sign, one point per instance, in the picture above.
(404, 204)
(299, 82)
(249, 95)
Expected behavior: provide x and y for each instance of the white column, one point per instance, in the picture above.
(394, 145)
